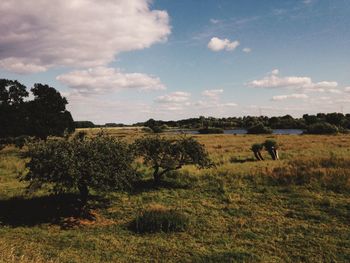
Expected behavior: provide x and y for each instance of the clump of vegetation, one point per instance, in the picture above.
(259, 128)
(211, 130)
(160, 219)
(102, 163)
(165, 155)
(271, 147)
(322, 128)
(257, 148)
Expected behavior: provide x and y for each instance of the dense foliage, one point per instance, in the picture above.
(101, 163)
(42, 116)
(165, 155)
(259, 128)
(211, 131)
(322, 128)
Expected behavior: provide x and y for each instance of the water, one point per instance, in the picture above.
(244, 131)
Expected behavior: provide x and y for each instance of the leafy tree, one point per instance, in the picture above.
(165, 155)
(322, 128)
(257, 148)
(259, 128)
(101, 163)
(271, 147)
(48, 112)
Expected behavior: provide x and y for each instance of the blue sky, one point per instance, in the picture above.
(127, 61)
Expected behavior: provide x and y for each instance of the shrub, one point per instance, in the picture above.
(271, 147)
(322, 128)
(256, 149)
(259, 129)
(211, 131)
(165, 155)
(101, 163)
(160, 219)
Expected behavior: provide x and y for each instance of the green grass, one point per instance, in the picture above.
(237, 212)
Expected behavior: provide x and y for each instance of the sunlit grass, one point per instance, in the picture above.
(239, 211)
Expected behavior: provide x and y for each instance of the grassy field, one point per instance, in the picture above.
(240, 211)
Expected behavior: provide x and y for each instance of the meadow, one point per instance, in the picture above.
(296, 209)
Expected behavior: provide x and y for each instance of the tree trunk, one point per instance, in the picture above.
(257, 156)
(84, 193)
(157, 176)
(260, 156)
(272, 153)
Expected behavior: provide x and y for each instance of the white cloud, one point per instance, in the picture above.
(273, 80)
(214, 21)
(290, 96)
(37, 35)
(213, 93)
(307, 2)
(174, 97)
(247, 50)
(347, 89)
(217, 44)
(102, 80)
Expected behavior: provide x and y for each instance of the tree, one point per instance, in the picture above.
(12, 113)
(101, 163)
(322, 128)
(165, 155)
(259, 128)
(48, 112)
(257, 148)
(271, 147)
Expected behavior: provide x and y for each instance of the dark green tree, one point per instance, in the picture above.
(101, 163)
(165, 155)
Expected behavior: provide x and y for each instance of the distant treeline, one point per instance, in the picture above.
(284, 122)
(90, 124)
(319, 123)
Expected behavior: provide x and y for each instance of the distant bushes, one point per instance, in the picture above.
(211, 131)
(259, 129)
(160, 219)
(322, 128)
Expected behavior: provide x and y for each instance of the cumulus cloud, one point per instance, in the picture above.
(290, 96)
(247, 50)
(217, 44)
(273, 80)
(213, 93)
(37, 35)
(102, 80)
(174, 97)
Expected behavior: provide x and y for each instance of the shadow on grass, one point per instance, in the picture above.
(52, 209)
(240, 160)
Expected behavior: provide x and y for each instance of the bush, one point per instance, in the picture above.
(165, 155)
(211, 131)
(101, 163)
(259, 129)
(322, 128)
(160, 219)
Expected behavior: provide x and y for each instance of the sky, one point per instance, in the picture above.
(126, 61)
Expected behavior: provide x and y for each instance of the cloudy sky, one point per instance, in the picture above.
(131, 60)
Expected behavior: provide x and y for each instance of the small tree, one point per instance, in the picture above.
(257, 148)
(102, 163)
(165, 155)
(271, 147)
